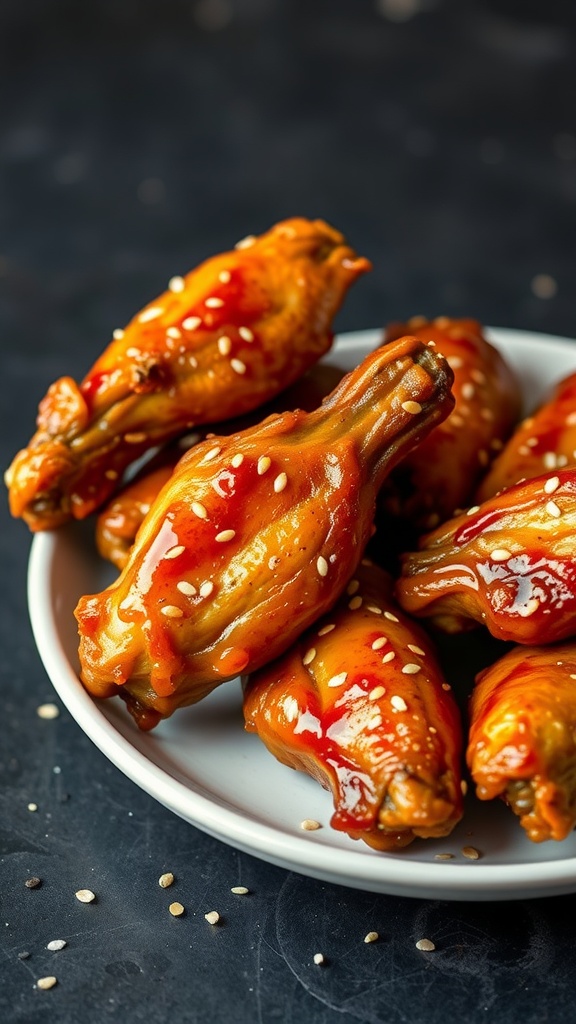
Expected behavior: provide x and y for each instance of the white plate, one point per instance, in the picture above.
(204, 767)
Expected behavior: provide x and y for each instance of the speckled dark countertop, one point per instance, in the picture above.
(135, 139)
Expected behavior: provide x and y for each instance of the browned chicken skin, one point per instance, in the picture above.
(360, 704)
(119, 521)
(542, 443)
(255, 536)
(522, 744)
(438, 478)
(509, 564)
(218, 343)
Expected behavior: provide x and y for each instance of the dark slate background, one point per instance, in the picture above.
(136, 138)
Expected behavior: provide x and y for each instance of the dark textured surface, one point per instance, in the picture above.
(135, 139)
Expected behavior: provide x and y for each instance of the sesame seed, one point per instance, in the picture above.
(355, 603)
(391, 617)
(33, 883)
(338, 680)
(411, 669)
(264, 464)
(500, 555)
(446, 686)
(240, 890)
(398, 703)
(152, 313)
(352, 587)
(374, 608)
(206, 589)
(245, 243)
(133, 352)
(549, 460)
(224, 276)
(186, 588)
(472, 510)
(32, 807)
(85, 896)
(224, 345)
(468, 391)
(212, 454)
(166, 880)
(191, 323)
(376, 693)
(173, 332)
(171, 611)
(246, 334)
(553, 509)
(322, 565)
(426, 945)
(379, 643)
(214, 302)
(238, 366)
(199, 510)
(310, 825)
(136, 437)
(388, 657)
(273, 562)
(56, 944)
(175, 551)
(212, 917)
(454, 362)
(280, 482)
(319, 959)
(444, 856)
(412, 407)
(416, 650)
(225, 535)
(117, 334)
(176, 909)
(111, 474)
(48, 711)
(326, 629)
(309, 656)
(176, 284)
(237, 460)
(371, 937)
(544, 286)
(464, 784)
(48, 982)
(470, 852)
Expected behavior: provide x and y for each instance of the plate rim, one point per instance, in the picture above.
(466, 881)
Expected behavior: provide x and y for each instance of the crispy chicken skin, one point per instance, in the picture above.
(254, 536)
(522, 743)
(509, 564)
(120, 519)
(360, 704)
(219, 342)
(438, 478)
(542, 442)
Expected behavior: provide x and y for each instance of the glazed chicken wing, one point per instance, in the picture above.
(119, 521)
(255, 536)
(359, 703)
(522, 744)
(509, 564)
(219, 342)
(545, 441)
(438, 478)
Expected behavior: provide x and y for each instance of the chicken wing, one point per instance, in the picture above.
(438, 478)
(509, 564)
(120, 519)
(522, 744)
(218, 343)
(254, 536)
(360, 704)
(545, 441)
